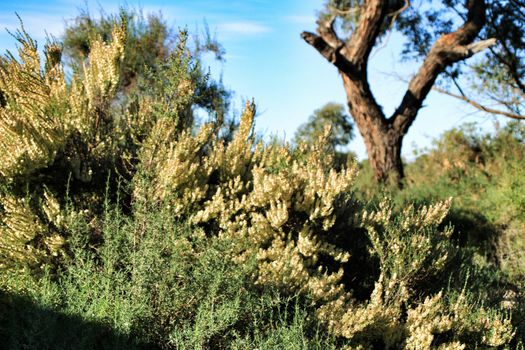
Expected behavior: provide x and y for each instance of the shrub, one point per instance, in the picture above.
(293, 212)
(48, 125)
(210, 234)
(151, 283)
(484, 176)
(482, 172)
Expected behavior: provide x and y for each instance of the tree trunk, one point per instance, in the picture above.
(384, 155)
(382, 139)
(383, 136)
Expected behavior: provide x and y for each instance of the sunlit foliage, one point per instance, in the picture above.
(257, 218)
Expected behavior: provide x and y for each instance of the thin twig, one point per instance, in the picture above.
(478, 105)
(463, 97)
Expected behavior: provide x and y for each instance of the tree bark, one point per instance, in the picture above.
(384, 154)
(383, 142)
(384, 136)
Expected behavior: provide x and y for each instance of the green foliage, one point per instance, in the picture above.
(151, 283)
(141, 229)
(148, 41)
(483, 173)
(496, 78)
(500, 75)
(149, 44)
(331, 115)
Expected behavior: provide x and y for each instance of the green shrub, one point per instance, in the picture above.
(483, 172)
(151, 283)
(294, 213)
(200, 242)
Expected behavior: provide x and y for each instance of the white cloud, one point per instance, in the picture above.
(242, 28)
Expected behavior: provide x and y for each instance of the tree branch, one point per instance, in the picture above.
(447, 50)
(325, 29)
(327, 51)
(475, 104)
(351, 57)
(474, 48)
(320, 45)
(357, 49)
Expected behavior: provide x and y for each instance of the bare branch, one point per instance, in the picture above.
(326, 30)
(320, 45)
(462, 52)
(447, 50)
(479, 106)
(327, 51)
(479, 46)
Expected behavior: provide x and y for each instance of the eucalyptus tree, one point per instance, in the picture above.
(348, 30)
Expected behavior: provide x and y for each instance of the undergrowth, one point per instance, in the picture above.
(151, 283)
(131, 227)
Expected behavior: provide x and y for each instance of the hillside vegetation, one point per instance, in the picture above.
(125, 226)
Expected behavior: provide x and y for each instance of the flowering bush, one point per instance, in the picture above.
(291, 211)
(366, 273)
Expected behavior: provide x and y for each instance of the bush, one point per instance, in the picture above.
(200, 241)
(296, 215)
(482, 172)
(151, 283)
(51, 130)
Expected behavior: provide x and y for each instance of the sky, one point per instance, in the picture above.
(265, 60)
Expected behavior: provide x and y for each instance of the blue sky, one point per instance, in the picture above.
(265, 59)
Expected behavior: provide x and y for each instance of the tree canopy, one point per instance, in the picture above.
(332, 115)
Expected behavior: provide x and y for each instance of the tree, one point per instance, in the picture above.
(367, 21)
(149, 43)
(333, 115)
